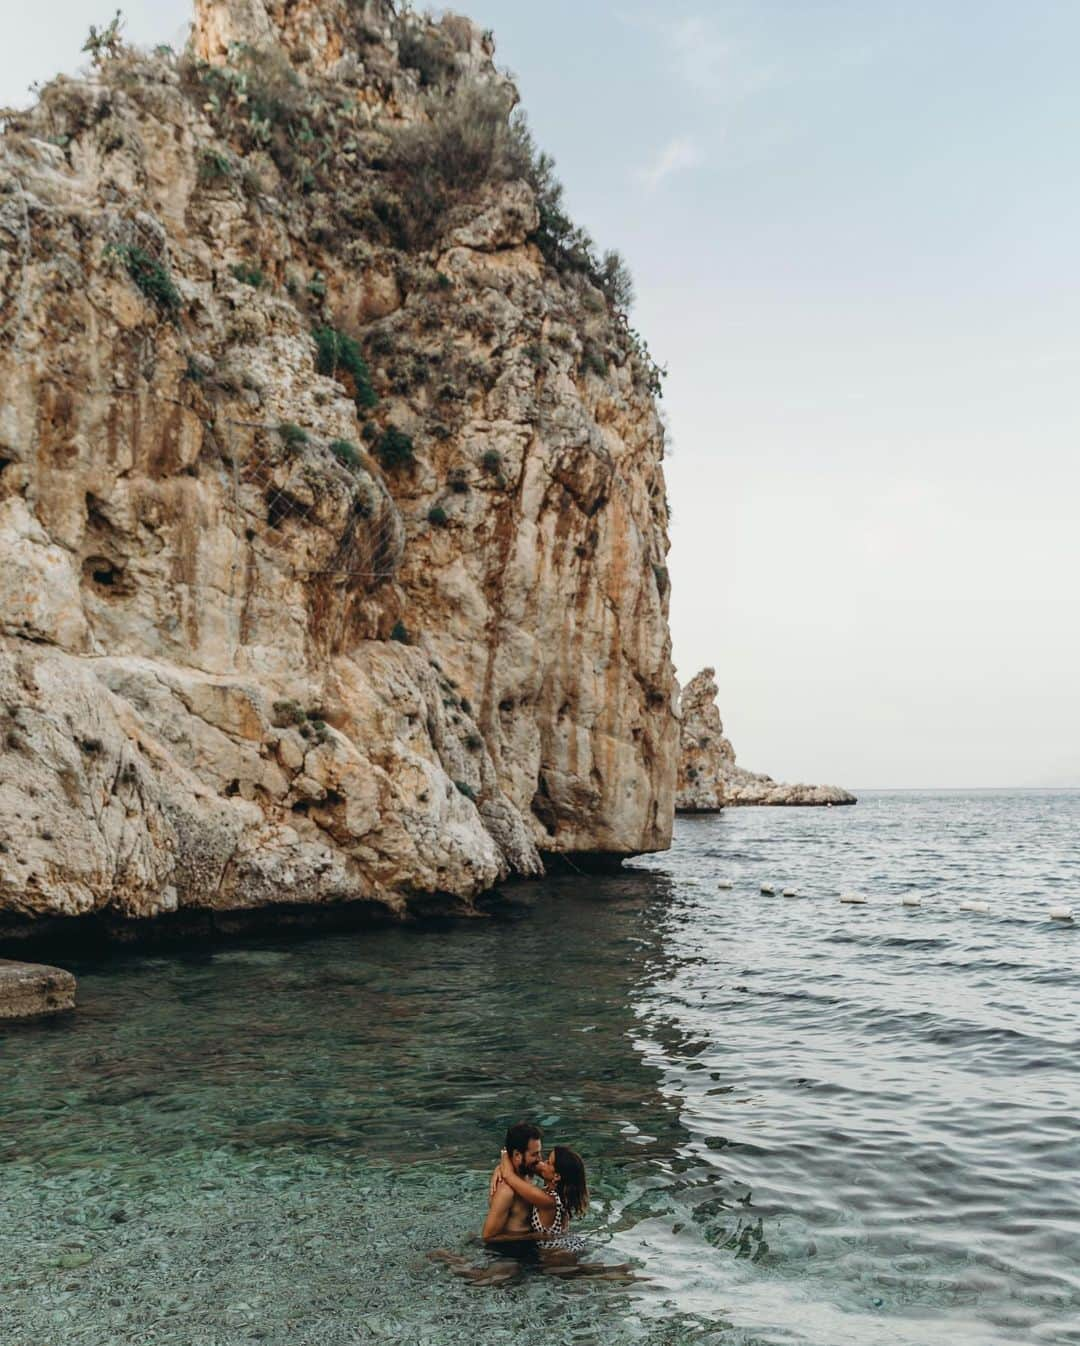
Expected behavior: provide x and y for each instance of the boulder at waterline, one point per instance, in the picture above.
(30, 989)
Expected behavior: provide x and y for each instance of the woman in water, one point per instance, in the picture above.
(565, 1194)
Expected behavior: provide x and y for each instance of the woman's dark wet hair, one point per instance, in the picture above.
(572, 1187)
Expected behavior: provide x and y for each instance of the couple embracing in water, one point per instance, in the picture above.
(524, 1216)
(531, 1201)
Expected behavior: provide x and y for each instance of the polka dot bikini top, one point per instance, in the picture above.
(556, 1236)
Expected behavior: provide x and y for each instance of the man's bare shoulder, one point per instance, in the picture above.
(498, 1211)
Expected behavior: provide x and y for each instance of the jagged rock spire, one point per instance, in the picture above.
(709, 778)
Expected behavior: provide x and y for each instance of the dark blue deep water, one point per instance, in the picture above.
(804, 1122)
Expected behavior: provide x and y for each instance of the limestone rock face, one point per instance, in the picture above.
(332, 524)
(709, 777)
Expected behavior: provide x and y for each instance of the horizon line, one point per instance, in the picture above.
(926, 789)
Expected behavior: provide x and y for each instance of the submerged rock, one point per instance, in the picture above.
(709, 778)
(30, 989)
(332, 514)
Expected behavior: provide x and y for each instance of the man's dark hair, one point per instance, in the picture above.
(519, 1135)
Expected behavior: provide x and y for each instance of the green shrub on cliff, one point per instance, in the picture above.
(150, 275)
(426, 51)
(465, 142)
(272, 93)
(593, 359)
(469, 139)
(106, 44)
(214, 168)
(257, 97)
(565, 245)
(288, 713)
(347, 454)
(338, 356)
(394, 448)
(247, 275)
(292, 436)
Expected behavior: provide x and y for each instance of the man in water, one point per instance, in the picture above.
(508, 1214)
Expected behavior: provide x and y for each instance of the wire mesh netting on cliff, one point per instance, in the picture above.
(323, 495)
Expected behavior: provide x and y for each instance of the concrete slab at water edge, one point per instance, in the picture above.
(30, 989)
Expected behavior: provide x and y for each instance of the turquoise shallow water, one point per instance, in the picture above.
(804, 1122)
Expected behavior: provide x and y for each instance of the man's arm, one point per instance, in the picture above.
(498, 1212)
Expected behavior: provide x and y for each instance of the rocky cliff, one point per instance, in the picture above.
(332, 516)
(709, 778)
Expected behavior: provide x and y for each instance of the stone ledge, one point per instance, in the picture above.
(29, 989)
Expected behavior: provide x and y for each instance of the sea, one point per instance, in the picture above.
(804, 1121)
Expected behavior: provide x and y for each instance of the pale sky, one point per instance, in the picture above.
(853, 226)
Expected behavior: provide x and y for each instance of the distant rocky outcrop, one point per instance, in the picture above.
(705, 755)
(709, 778)
(332, 512)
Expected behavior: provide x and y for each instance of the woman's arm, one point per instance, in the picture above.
(535, 1196)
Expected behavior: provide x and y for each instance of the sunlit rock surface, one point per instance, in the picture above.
(248, 655)
(709, 778)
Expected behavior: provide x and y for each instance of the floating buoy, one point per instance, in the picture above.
(1061, 913)
(724, 883)
(974, 906)
(768, 889)
(791, 892)
(853, 899)
(911, 901)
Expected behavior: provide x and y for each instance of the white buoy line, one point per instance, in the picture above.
(907, 900)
